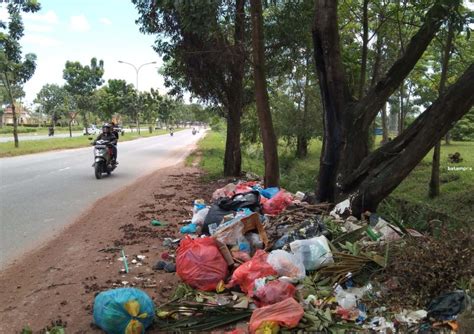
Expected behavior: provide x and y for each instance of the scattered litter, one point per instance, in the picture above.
(155, 222)
(266, 255)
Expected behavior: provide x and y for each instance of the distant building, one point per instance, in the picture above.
(23, 117)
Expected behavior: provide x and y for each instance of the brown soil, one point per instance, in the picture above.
(60, 280)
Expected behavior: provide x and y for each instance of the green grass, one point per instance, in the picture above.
(7, 131)
(409, 202)
(36, 146)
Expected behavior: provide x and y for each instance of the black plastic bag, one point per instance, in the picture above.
(447, 306)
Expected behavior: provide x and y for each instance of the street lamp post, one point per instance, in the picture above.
(136, 85)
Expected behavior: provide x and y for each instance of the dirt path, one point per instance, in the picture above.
(60, 280)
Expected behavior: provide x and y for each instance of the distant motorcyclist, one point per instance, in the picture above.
(109, 136)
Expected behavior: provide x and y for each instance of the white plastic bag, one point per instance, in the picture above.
(314, 252)
(286, 264)
(200, 216)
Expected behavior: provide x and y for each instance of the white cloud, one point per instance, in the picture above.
(105, 21)
(3, 13)
(79, 23)
(49, 17)
(38, 28)
(40, 40)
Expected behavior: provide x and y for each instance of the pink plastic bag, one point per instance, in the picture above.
(273, 292)
(277, 203)
(200, 264)
(244, 187)
(287, 313)
(246, 274)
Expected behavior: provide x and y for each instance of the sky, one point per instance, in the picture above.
(78, 30)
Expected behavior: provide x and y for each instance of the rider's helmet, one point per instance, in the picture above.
(106, 128)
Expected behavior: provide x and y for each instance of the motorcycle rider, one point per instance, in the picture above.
(109, 136)
(115, 130)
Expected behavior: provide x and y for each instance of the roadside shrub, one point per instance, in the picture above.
(9, 130)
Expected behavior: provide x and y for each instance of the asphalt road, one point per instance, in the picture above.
(42, 193)
(35, 136)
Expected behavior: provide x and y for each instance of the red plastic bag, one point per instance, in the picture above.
(286, 313)
(247, 273)
(200, 264)
(277, 203)
(273, 292)
(244, 187)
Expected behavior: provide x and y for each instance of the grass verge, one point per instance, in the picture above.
(408, 203)
(36, 146)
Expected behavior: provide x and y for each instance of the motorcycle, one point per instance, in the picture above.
(194, 131)
(171, 133)
(103, 154)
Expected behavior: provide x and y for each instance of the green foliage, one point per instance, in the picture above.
(409, 204)
(117, 97)
(194, 38)
(53, 101)
(14, 70)
(81, 82)
(464, 128)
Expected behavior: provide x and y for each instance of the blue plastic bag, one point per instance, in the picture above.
(269, 192)
(190, 228)
(123, 311)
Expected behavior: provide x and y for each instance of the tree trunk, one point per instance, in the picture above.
(15, 125)
(381, 172)
(384, 124)
(401, 119)
(302, 137)
(70, 128)
(346, 168)
(12, 102)
(233, 155)
(434, 182)
(447, 138)
(270, 150)
(365, 41)
(301, 146)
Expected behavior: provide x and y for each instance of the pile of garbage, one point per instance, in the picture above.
(266, 256)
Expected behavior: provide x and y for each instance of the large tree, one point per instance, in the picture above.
(81, 82)
(52, 99)
(202, 44)
(14, 70)
(269, 140)
(347, 168)
(112, 99)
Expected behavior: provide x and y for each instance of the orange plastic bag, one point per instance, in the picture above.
(277, 203)
(200, 264)
(287, 313)
(273, 292)
(247, 273)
